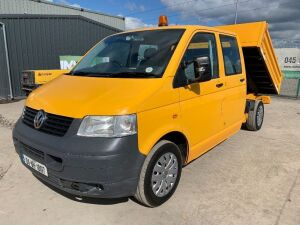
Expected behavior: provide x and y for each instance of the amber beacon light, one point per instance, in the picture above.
(163, 21)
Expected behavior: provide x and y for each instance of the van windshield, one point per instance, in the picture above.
(141, 54)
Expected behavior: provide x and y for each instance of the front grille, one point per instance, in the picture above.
(54, 124)
(32, 151)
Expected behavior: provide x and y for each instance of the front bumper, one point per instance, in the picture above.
(29, 87)
(83, 166)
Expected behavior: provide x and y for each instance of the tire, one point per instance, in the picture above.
(164, 152)
(255, 117)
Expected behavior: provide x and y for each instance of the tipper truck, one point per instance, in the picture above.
(143, 103)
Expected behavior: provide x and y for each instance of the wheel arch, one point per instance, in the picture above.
(179, 139)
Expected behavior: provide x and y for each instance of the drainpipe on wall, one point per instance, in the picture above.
(7, 62)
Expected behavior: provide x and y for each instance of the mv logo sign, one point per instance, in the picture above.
(68, 62)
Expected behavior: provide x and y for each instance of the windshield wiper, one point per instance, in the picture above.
(90, 74)
(124, 74)
(131, 74)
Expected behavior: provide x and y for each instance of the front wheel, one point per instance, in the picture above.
(160, 174)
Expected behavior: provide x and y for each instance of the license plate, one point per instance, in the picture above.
(35, 165)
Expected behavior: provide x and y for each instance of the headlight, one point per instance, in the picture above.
(107, 126)
(23, 113)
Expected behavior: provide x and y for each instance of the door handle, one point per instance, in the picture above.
(242, 80)
(219, 85)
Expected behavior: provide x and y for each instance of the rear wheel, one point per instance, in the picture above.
(160, 174)
(255, 117)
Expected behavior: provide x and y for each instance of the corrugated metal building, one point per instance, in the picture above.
(35, 41)
(45, 7)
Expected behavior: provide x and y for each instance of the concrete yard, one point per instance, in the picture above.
(251, 178)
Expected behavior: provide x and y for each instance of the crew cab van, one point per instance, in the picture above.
(143, 103)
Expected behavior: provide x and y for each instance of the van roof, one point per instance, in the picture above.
(186, 27)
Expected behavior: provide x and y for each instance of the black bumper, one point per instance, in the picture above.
(29, 87)
(82, 166)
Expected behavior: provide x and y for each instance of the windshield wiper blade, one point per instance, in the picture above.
(90, 74)
(124, 74)
(131, 74)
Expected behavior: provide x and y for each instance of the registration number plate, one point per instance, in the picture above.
(35, 165)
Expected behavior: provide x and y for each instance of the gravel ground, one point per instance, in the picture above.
(251, 178)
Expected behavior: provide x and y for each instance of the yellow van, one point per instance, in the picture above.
(143, 103)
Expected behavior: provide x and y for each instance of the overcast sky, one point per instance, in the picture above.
(283, 16)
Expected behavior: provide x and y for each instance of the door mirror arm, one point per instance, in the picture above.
(184, 64)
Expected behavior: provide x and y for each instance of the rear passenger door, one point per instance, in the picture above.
(235, 82)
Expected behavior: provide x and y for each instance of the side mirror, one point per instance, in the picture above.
(202, 69)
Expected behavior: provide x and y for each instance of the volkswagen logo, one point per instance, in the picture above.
(39, 119)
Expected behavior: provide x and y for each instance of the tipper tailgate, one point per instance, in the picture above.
(263, 72)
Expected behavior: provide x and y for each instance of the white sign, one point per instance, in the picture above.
(65, 65)
(289, 58)
(67, 62)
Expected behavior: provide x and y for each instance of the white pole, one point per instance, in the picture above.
(7, 61)
(236, 11)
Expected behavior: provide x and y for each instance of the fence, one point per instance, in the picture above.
(290, 86)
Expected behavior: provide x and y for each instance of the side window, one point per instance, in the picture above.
(231, 55)
(202, 44)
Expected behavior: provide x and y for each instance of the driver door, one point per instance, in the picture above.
(200, 103)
